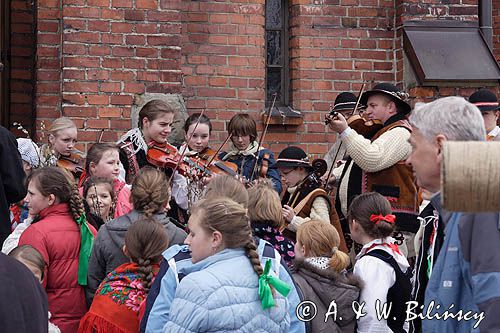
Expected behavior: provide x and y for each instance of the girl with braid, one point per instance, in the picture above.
(150, 196)
(231, 291)
(63, 237)
(119, 297)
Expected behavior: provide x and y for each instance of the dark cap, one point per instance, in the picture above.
(397, 96)
(292, 157)
(485, 100)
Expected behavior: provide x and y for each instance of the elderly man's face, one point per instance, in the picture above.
(425, 159)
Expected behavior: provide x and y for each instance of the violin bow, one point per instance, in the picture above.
(340, 145)
(263, 135)
(185, 149)
(218, 150)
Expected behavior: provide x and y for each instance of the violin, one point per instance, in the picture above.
(74, 162)
(164, 155)
(367, 128)
(207, 164)
(311, 182)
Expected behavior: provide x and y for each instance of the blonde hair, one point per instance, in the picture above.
(230, 219)
(321, 239)
(227, 186)
(264, 204)
(150, 191)
(60, 124)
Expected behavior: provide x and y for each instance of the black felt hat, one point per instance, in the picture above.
(293, 157)
(398, 96)
(485, 100)
(344, 101)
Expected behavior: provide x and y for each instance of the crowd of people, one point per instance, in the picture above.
(142, 236)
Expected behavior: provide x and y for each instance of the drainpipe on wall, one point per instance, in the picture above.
(485, 21)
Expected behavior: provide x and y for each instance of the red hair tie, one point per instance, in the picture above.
(387, 218)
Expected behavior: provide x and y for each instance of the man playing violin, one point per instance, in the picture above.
(377, 164)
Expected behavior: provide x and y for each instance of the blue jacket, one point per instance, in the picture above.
(220, 298)
(177, 264)
(248, 161)
(467, 275)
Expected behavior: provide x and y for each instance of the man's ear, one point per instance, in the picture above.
(440, 141)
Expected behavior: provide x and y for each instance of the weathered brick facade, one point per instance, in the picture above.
(94, 58)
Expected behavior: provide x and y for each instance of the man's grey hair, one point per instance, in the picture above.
(453, 117)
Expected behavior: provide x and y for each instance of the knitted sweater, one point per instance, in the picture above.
(320, 210)
(390, 148)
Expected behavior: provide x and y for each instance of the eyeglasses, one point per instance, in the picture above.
(284, 173)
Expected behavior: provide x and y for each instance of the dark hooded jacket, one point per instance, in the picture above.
(322, 287)
(107, 253)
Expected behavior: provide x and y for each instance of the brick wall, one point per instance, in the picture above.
(496, 29)
(223, 62)
(22, 63)
(107, 53)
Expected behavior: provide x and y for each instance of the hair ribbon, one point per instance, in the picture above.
(387, 218)
(265, 282)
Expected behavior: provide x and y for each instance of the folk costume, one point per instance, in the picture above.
(378, 164)
(133, 156)
(245, 160)
(486, 101)
(308, 199)
(117, 302)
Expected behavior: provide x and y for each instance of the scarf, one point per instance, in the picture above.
(283, 245)
(117, 302)
(135, 136)
(319, 262)
(250, 151)
(86, 241)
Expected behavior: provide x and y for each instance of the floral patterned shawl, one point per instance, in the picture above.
(117, 301)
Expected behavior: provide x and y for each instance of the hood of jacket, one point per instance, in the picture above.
(328, 285)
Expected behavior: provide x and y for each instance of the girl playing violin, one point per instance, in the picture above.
(155, 125)
(60, 150)
(245, 151)
(198, 129)
(294, 166)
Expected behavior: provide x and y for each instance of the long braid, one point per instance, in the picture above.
(145, 268)
(76, 206)
(253, 256)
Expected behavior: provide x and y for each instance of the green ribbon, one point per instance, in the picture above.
(265, 283)
(86, 241)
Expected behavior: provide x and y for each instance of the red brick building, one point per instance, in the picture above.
(94, 60)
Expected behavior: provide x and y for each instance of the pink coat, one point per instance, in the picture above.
(57, 237)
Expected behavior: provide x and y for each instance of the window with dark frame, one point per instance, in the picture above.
(277, 76)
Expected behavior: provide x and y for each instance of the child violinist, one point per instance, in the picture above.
(60, 150)
(383, 269)
(244, 154)
(103, 161)
(304, 199)
(155, 125)
(197, 129)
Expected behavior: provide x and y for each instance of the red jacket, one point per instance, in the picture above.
(57, 237)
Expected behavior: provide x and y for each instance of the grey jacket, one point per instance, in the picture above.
(107, 251)
(322, 287)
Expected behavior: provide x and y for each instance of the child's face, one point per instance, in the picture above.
(63, 141)
(200, 242)
(98, 197)
(108, 166)
(27, 168)
(241, 142)
(37, 201)
(199, 138)
(159, 129)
